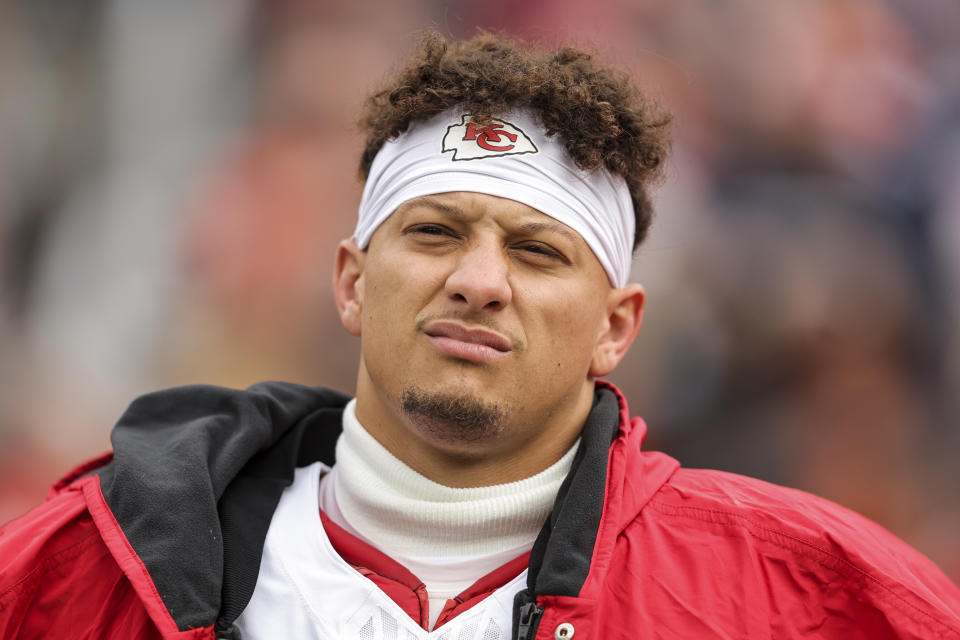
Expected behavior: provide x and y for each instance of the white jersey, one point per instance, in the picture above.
(305, 590)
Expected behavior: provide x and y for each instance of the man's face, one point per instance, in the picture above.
(480, 319)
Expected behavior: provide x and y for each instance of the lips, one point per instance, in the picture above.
(476, 344)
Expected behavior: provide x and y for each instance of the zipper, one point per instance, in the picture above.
(526, 616)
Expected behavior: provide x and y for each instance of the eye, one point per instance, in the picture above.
(430, 229)
(541, 251)
(431, 236)
(537, 248)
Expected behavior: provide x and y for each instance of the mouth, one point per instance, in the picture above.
(476, 344)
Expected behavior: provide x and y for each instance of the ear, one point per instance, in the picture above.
(624, 317)
(348, 284)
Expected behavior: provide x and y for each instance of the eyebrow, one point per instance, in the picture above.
(433, 203)
(531, 228)
(528, 228)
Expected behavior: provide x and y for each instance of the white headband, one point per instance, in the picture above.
(512, 158)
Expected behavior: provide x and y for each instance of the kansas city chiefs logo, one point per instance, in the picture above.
(470, 141)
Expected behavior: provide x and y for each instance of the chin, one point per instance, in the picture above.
(452, 417)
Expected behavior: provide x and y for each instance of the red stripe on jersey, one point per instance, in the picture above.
(406, 589)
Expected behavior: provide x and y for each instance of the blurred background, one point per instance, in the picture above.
(174, 177)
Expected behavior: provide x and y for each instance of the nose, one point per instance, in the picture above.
(480, 278)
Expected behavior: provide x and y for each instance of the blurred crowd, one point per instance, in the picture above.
(174, 177)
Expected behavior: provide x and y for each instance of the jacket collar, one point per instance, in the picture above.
(197, 471)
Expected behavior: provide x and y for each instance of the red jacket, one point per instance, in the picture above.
(162, 539)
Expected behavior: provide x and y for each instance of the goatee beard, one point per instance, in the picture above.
(452, 418)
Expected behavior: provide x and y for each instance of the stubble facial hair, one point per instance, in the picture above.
(452, 418)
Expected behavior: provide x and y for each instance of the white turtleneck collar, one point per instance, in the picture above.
(373, 494)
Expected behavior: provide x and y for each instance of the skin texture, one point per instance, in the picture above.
(443, 279)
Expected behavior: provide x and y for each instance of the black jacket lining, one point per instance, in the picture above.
(249, 502)
(560, 559)
(175, 453)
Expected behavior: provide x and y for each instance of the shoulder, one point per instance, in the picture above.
(792, 540)
(55, 529)
(765, 509)
(56, 572)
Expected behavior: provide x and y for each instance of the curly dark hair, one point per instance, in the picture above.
(601, 118)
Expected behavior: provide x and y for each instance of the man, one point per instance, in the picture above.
(483, 483)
